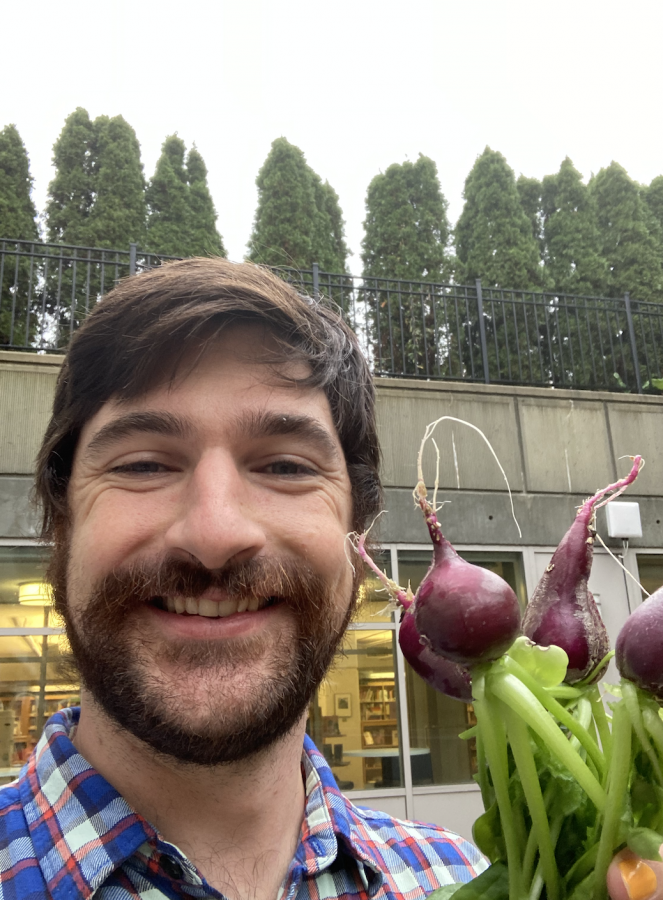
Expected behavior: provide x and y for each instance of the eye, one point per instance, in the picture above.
(140, 467)
(288, 467)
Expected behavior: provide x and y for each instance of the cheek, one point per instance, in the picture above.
(114, 528)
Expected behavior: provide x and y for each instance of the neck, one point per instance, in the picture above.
(239, 823)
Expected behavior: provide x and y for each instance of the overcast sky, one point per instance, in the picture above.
(356, 84)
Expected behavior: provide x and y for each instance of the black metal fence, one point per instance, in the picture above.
(406, 329)
(46, 290)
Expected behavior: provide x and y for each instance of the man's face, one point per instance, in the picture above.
(226, 488)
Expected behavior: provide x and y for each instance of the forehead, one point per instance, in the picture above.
(243, 372)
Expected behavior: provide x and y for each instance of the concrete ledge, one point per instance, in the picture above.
(541, 393)
(21, 358)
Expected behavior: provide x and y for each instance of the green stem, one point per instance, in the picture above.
(495, 747)
(589, 679)
(630, 695)
(484, 783)
(618, 778)
(584, 718)
(601, 721)
(517, 696)
(531, 848)
(519, 740)
(652, 722)
(564, 692)
(537, 882)
(581, 868)
(562, 714)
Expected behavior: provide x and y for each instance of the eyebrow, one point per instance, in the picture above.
(163, 423)
(274, 424)
(252, 424)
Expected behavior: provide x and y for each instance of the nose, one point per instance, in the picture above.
(216, 520)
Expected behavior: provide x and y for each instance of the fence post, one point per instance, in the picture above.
(634, 349)
(482, 333)
(132, 259)
(316, 281)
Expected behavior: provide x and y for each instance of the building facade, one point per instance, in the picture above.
(392, 742)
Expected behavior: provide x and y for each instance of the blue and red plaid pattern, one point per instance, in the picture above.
(66, 833)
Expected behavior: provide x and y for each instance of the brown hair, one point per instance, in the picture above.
(138, 335)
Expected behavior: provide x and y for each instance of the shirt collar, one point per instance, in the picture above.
(82, 829)
(329, 825)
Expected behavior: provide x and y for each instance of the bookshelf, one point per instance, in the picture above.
(379, 722)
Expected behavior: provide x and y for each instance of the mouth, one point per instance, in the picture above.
(212, 609)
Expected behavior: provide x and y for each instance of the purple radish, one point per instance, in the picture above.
(562, 610)
(441, 674)
(463, 612)
(639, 648)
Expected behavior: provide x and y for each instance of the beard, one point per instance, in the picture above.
(183, 698)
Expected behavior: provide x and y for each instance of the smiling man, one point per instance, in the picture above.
(212, 443)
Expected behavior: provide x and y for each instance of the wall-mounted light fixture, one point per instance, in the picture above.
(35, 593)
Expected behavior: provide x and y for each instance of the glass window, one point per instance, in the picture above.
(373, 599)
(650, 569)
(33, 684)
(353, 718)
(32, 687)
(435, 721)
(24, 595)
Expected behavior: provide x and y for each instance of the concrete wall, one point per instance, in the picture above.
(27, 384)
(556, 446)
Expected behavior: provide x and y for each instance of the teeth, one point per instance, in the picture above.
(191, 606)
(214, 608)
(208, 608)
(227, 608)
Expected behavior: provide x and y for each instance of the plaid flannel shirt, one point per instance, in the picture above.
(65, 834)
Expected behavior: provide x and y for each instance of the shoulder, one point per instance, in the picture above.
(20, 875)
(12, 815)
(414, 857)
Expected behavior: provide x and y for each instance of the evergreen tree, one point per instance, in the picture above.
(496, 241)
(17, 211)
(71, 192)
(298, 220)
(97, 197)
(406, 239)
(406, 226)
(529, 191)
(17, 220)
(494, 235)
(629, 235)
(204, 239)
(329, 248)
(286, 219)
(117, 216)
(573, 259)
(169, 216)
(654, 197)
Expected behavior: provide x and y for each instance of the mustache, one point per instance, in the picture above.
(144, 581)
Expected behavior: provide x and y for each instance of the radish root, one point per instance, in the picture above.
(420, 493)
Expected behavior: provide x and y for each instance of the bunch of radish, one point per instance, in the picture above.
(565, 784)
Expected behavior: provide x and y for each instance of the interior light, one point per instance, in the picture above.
(35, 593)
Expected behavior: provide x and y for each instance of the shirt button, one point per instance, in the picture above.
(171, 867)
